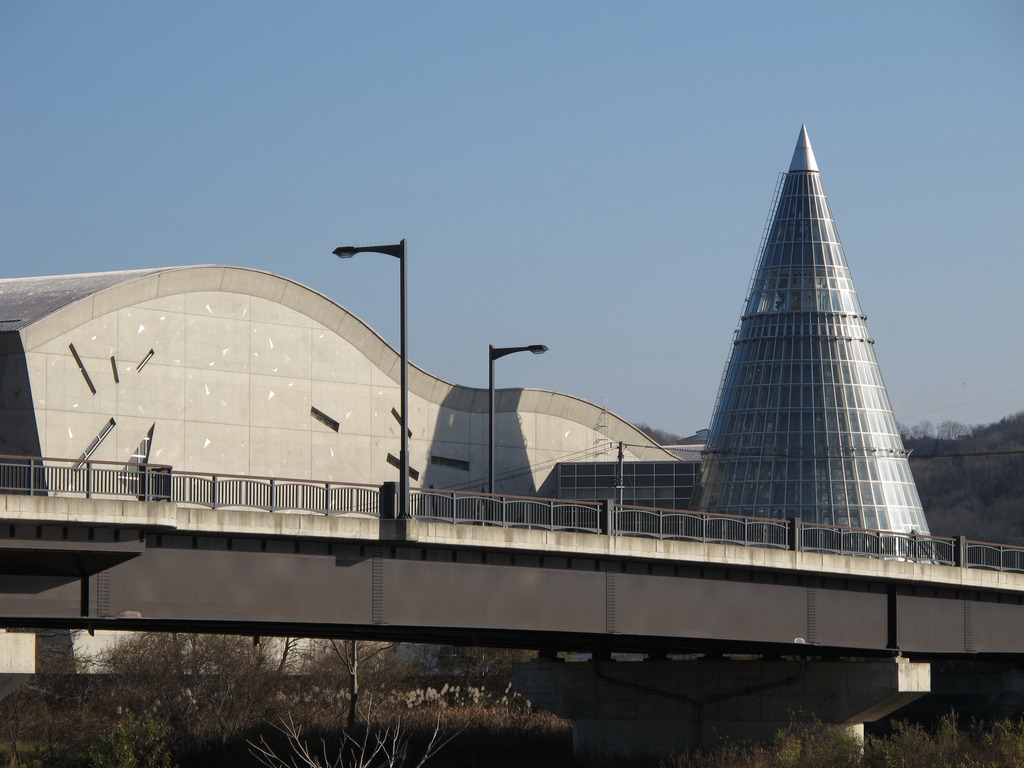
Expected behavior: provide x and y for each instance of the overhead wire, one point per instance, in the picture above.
(529, 469)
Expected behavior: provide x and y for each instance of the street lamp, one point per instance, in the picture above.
(399, 251)
(493, 354)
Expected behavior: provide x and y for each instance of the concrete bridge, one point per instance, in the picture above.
(539, 574)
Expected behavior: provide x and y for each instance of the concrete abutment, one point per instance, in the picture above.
(17, 660)
(670, 707)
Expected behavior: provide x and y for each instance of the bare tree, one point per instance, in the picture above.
(923, 429)
(377, 748)
(355, 666)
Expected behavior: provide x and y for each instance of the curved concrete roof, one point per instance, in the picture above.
(42, 308)
(26, 300)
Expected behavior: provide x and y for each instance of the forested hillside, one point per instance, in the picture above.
(971, 479)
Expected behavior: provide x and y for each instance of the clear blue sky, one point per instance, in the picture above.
(594, 176)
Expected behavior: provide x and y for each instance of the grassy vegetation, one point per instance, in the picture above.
(72, 721)
(947, 745)
(502, 737)
(202, 700)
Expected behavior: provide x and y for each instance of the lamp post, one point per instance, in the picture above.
(493, 354)
(399, 251)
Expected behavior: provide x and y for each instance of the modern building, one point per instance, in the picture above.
(235, 371)
(803, 426)
(661, 484)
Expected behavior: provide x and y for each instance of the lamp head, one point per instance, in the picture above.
(348, 251)
(497, 352)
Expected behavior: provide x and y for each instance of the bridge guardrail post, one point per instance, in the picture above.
(960, 552)
(389, 501)
(606, 517)
(159, 484)
(795, 534)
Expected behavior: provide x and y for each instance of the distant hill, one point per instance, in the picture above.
(971, 479)
(663, 437)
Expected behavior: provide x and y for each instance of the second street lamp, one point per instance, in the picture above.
(493, 354)
(398, 250)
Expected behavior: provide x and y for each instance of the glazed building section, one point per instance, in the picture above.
(803, 426)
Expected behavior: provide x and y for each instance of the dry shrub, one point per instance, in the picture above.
(499, 737)
(948, 746)
(47, 721)
(799, 745)
(909, 745)
(209, 689)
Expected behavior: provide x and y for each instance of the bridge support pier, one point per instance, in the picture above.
(665, 707)
(17, 659)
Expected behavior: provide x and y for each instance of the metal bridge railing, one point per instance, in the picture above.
(69, 477)
(999, 557)
(149, 482)
(836, 540)
(274, 494)
(505, 511)
(700, 526)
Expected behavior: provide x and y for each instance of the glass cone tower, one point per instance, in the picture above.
(803, 426)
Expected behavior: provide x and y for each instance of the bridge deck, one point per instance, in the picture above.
(149, 565)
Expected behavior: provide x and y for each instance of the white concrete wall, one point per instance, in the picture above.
(239, 359)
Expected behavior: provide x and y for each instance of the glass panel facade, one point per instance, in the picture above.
(803, 426)
(662, 484)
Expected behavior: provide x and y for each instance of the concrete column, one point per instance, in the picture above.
(17, 659)
(671, 707)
